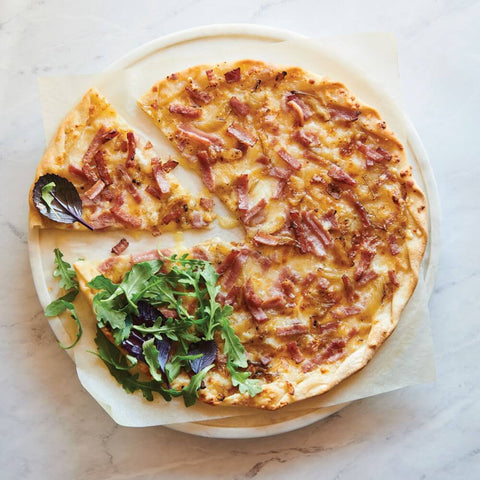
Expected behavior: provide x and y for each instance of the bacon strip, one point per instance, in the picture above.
(392, 243)
(367, 277)
(129, 184)
(227, 262)
(280, 173)
(153, 191)
(317, 228)
(198, 221)
(107, 264)
(77, 171)
(298, 106)
(336, 173)
(294, 329)
(239, 107)
(101, 137)
(198, 96)
(253, 215)
(343, 312)
(306, 242)
(199, 136)
(276, 302)
(185, 110)
(94, 191)
(102, 168)
(392, 276)
(349, 289)
(104, 220)
(146, 256)
(366, 257)
(212, 78)
(174, 215)
(233, 75)
(286, 157)
(294, 352)
(120, 247)
(233, 271)
(159, 175)
(132, 145)
(345, 114)
(304, 138)
(372, 154)
(254, 302)
(359, 208)
(332, 352)
(241, 134)
(168, 312)
(241, 187)
(206, 172)
(206, 203)
(125, 218)
(266, 239)
(231, 297)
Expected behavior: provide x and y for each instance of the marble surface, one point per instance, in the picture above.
(50, 428)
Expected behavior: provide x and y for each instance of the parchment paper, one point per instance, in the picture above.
(367, 64)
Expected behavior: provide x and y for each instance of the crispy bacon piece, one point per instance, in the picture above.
(328, 327)
(153, 191)
(266, 239)
(392, 276)
(366, 257)
(120, 247)
(392, 243)
(316, 227)
(132, 145)
(239, 107)
(275, 302)
(199, 136)
(359, 208)
(169, 165)
(198, 221)
(94, 191)
(212, 78)
(168, 312)
(294, 329)
(159, 175)
(77, 171)
(89, 172)
(101, 137)
(200, 253)
(349, 289)
(233, 271)
(344, 114)
(332, 352)
(206, 172)
(343, 312)
(299, 107)
(102, 168)
(174, 215)
(368, 276)
(227, 262)
(306, 242)
(146, 256)
(185, 110)
(103, 220)
(107, 264)
(286, 157)
(254, 302)
(280, 173)
(255, 214)
(241, 187)
(336, 173)
(206, 203)
(372, 154)
(294, 352)
(198, 96)
(242, 134)
(231, 297)
(307, 139)
(329, 220)
(128, 220)
(233, 75)
(128, 181)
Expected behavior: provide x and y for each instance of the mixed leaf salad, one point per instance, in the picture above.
(163, 313)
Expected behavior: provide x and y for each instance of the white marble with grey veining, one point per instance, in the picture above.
(50, 428)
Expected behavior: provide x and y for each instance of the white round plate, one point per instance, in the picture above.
(221, 36)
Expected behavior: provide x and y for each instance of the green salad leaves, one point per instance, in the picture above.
(186, 288)
(68, 281)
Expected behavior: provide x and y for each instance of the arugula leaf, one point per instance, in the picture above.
(68, 278)
(103, 283)
(241, 380)
(233, 347)
(108, 310)
(110, 354)
(134, 282)
(47, 196)
(60, 307)
(150, 352)
(190, 392)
